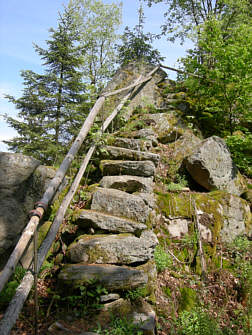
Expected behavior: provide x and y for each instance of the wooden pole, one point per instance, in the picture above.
(149, 76)
(181, 71)
(24, 288)
(49, 193)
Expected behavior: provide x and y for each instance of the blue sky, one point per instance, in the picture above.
(23, 22)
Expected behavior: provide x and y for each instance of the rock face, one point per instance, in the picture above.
(22, 182)
(148, 93)
(212, 167)
(120, 203)
(113, 249)
(223, 216)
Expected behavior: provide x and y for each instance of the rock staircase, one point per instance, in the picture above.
(119, 251)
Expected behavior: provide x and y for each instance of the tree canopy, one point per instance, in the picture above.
(183, 16)
(51, 107)
(136, 45)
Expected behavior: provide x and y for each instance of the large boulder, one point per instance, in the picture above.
(22, 182)
(212, 167)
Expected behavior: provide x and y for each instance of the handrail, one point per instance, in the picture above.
(23, 290)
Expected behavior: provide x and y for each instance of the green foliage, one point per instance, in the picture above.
(136, 45)
(180, 184)
(221, 97)
(187, 299)
(120, 326)
(197, 322)
(84, 300)
(183, 16)
(240, 146)
(162, 259)
(10, 288)
(134, 295)
(52, 106)
(97, 23)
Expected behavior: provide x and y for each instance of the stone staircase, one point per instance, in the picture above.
(118, 253)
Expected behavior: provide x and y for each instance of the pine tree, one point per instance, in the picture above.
(136, 45)
(53, 104)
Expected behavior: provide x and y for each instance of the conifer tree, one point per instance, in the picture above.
(136, 45)
(53, 103)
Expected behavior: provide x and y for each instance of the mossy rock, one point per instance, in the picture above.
(229, 215)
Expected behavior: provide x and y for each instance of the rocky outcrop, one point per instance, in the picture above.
(223, 216)
(22, 182)
(212, 167)
(147, 94)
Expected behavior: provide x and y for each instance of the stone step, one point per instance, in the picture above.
(120, 203)
(128, 184)
(113, 249)
(133, 144)
(119, 153)
(110, 223)
(132, 168)
(111, 277)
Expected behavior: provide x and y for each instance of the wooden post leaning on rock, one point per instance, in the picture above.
(24, 288)
(48, 195)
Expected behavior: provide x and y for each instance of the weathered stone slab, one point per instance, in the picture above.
(111, 223)
(118, 153)
(212, 167)
(133, 168)
(128, 184)
(120, 203)
(111, 277)
(113, 249)
(133, 144)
